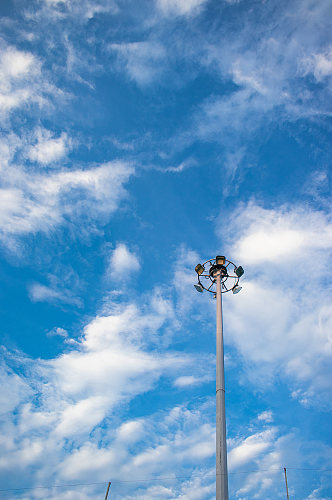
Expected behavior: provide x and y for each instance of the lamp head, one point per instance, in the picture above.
(199, 269)
(239, 271)
(220, 260)
(199, 288)
(236, 289)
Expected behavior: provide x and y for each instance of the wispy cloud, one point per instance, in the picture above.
(54, 10)
(43, 293)
(80, 388)
(142, 61)
(57, 331)
(22, 82)
(48, 148)
(18, 70)
(170, 84)
(179, 168)
(251, 448)
(121, 258)
(32, 203)
(277, 247)
(266, 416)
(182, 8)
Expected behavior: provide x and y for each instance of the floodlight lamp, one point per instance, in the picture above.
(199, 288)
(199, 269)
(239, 271)
(220, 260)
(236, 289)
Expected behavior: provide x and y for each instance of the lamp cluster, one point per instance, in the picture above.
(229, 272)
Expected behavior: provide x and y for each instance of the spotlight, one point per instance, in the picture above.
(199, 269)
(236, 289)
(239, 271)
(199, 288)
(220, 260)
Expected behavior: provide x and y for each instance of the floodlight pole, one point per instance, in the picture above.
(221, 445)
(219, 276)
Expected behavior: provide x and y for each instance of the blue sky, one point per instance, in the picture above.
(138, 139)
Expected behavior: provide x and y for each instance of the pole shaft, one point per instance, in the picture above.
(108, 488)
(286, 483)
(221, 446)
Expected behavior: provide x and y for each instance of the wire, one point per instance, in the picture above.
(158, 479)
(52, 486)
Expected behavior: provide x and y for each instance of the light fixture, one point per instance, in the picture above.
(219, 276)
(199, 269)
(239, 271)
(220, 260)
(199, 288)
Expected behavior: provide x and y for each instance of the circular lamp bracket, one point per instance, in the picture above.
(229, 279)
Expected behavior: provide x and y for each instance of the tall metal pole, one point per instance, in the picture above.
(222, 276)
(221, 446)
(286, 483)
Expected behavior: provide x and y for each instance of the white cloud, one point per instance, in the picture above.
(9, 145)
(42, 293)
(316, 495)
(320, 64)
(179, 168)
(32, 203)
(82, 416)
(77, 392)
(285, 253)
(131, 431)
(323, 65)
(122, 260)
(20, 80)
(184, 264)
(251, 448)
(283, 234)
(70, 432)
(126, 146)
(246, 79)
(266, 416)
(265, 453)
(202, 375)
(13, 391)
(84, 10)
(108, 366)
(180, 7)
(15, 64)
(186, 380)
(268, 73)
(57, 331)
(143, 61)
(48, 148)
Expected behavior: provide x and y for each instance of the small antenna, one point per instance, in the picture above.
(108, 488)
(286, 483)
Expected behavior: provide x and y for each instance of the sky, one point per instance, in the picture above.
(139, 138)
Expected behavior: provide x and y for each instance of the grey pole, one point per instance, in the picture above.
(219, 276)
(286, 483)
(221, 446)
